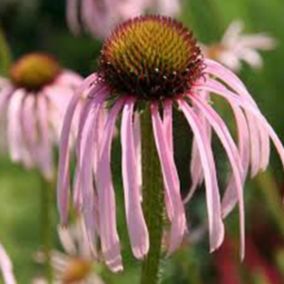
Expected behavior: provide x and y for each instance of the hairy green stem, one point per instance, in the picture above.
(46, 224)
(153, 200)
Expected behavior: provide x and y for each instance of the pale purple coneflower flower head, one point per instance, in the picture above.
(236, 47)
(6, 267)
(75, 264)
(165, 72)
(33, 102)
(99, 17)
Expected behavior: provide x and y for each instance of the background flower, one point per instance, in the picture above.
(100, 17)
(236, 47)
(33, 103)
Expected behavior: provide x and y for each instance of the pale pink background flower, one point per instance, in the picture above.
(237, 46)
(6, 267)
(33, 119)
(76, 263)
(93, 191)
(99, 17)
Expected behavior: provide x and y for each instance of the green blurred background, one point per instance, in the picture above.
(32, 25)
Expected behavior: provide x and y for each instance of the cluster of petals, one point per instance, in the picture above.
(99, 17)
(93, 189)
(236, 47)
(75, 263)
(33, 119)
(6, 267)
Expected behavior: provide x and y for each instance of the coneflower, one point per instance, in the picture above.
(237, 47)
(33, 102)
(150, 67)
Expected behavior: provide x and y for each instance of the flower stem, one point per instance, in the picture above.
(46, 224)
(153, 200)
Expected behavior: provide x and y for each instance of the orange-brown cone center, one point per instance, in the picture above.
(34, 71)
(152, 57)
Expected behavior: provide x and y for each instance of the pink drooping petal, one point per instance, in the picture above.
(219, 89)
(171, 181)
(89, 103)
(44, 159)
(28, 124)
(216, 226)
(168, 123)
(265, 147)
(137, 228)
(88, 147)
(5, 95)
(106, 199)
(168, 126)
(58, 100)
(230, 196)
(138, 150)
(66, 240)
(232, 152)
(72, 16)
(255, 146)
(89, 200)
(196, 172)
(97, 17)
(63, 171)
(259, 149)
(14, 131)
(6, 267)
(77, 194)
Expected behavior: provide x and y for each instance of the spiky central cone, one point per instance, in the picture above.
(34, 71)
(152, 57)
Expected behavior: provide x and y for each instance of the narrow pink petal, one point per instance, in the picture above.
(63, 170)
(6, 267)
(232, 152)
(138, 149)
(72, 16)
(195, 163)
(14, 131)
(137, 228)
(216, 226)
(80, 140)
(219, 89)
(168, 122)
(106, 199)
(88, 106)
(230, 197)
(85, 161)
(5, 95)
(171, 181)
(45, 155)
(259, 144)
(89, 199)
(265, 147)
(97, 19)
(168, 126)
(29, 130)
